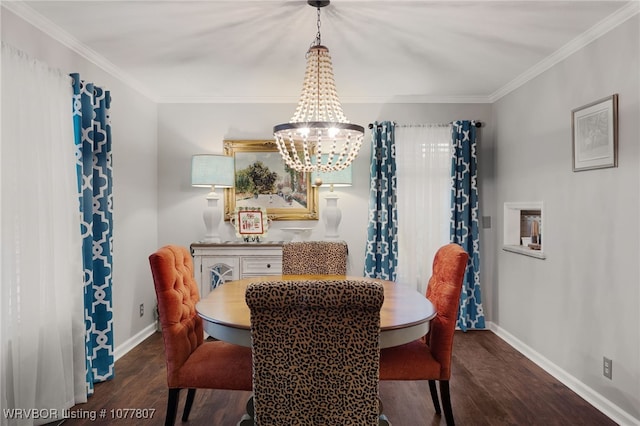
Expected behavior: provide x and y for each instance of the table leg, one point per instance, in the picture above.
(247, 419)
(382, 419)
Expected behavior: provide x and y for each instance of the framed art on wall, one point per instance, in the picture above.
(594, 130)
(263, 180)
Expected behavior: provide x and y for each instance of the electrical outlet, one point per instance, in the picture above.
(607, 367)
(141, 309)
(486, 222)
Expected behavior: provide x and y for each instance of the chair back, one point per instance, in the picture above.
(314, 257)
(177, 293)
(315, 352)
(443, 290)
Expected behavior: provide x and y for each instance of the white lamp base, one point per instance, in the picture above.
(332, 216)
(212, 215)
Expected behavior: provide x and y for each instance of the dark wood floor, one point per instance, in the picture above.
(491, 384)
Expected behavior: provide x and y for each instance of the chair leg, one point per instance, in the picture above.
(191, 394)
(172, 407)
(446, 402)
(434, 396)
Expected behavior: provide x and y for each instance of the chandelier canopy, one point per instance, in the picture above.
(318, 138)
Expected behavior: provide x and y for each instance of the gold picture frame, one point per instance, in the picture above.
(285, 194)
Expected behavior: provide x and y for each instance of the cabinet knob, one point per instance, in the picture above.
(268, 265)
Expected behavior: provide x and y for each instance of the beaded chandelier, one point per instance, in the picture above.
(318, 138)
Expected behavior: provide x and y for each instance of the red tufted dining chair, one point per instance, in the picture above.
(429, 358)
(191, 363)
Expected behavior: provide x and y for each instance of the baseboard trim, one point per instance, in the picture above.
(608, 408)
(133, 341)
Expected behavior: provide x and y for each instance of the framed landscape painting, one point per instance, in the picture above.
(263, 180)
(594, 129)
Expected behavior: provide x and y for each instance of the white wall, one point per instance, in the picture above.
(134, 132)
(581, 303)
(187, 129)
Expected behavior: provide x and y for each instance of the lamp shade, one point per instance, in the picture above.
(212, 170)
(342, 177)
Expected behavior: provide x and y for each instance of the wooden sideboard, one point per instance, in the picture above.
(217, 263)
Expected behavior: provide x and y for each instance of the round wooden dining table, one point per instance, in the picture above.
(404, 316)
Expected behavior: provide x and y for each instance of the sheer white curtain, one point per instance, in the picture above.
(42, 340)
(423, 158)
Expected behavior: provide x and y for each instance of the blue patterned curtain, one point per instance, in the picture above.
(93, 163)
(464, 220)
(381, 255)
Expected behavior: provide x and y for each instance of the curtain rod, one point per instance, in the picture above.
(424, 125)
(478, 124)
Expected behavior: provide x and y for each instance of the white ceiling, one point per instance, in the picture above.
(383, 51)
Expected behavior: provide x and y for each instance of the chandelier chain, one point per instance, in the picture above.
(318, 39)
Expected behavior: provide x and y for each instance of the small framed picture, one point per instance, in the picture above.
(251, 223)
(594, 129)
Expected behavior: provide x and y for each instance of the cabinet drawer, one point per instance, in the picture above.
(261, 265)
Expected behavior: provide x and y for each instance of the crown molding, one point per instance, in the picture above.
(28, 14)
(598, 30)
(418, 99)
(402, 99)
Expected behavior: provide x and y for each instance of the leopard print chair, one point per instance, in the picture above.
(314, 257)
(315, 352)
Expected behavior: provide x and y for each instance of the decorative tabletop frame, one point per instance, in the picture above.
(263, 180)
(594, 131)
(251, 223)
